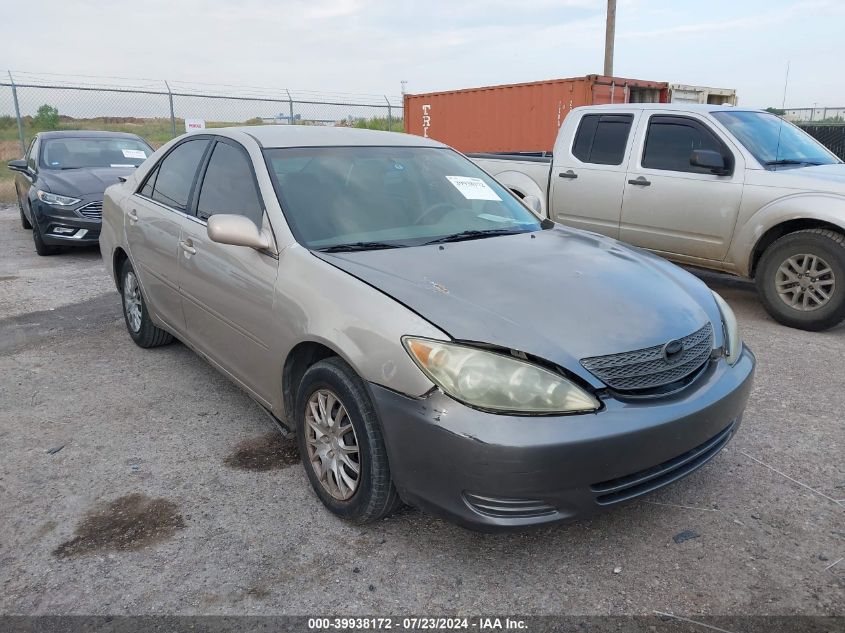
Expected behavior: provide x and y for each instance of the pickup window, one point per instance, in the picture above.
(601, 138)
(671, 140)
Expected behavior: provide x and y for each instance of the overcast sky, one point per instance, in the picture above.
(368, 46)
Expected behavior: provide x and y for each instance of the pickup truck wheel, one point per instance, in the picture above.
(141, 328)
(341, 443)
(801, 279)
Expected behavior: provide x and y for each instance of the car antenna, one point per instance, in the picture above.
(783, 110)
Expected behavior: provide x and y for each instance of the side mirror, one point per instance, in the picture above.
(237, 231)
(18, 165)
(533, 203)
(708, 159)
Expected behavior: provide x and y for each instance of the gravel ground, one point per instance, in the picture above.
(171, 492)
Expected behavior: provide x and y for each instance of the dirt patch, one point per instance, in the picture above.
(127, 523)
(268, 452)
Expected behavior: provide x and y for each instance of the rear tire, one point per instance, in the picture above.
(138, 323)
(801, 279)
(363, 496)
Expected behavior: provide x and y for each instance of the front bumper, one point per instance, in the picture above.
(491, 472)
(56, 223)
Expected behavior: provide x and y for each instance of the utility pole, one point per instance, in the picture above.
(609, 36)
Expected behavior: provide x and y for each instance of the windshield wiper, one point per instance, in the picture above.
(357, 246)
(473, 234)
(789, 161)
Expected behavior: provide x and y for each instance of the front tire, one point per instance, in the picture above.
(138, 323)
(801, 279)
(24, 222)
(341, 443)
(40, 247)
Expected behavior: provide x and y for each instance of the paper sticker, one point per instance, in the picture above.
(473, 188)
(121, 165)
(134, 153)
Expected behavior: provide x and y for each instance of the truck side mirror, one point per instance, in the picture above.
(708, 159)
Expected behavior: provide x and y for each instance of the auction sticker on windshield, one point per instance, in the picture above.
(473, 188)
(134, 153)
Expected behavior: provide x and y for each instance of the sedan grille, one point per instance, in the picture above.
(649, 368)
(93, 210)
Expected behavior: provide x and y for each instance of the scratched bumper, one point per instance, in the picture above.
(493, 472)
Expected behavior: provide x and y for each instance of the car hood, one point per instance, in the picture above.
(822, 178)
(558, 294)
(83, 181)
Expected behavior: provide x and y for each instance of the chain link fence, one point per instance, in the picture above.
(831, 135)
(157, 110)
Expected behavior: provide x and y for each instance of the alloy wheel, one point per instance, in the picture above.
(333, 450)
(132, 301)
(805, 282)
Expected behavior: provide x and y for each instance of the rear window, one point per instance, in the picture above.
(601, 138)
(175, 174)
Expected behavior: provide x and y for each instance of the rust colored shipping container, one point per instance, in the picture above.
(517, 117)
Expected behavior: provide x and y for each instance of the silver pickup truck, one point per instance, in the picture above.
(739, 191)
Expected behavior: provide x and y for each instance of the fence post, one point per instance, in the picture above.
(172, 112)
(291, 120)
(389, 115)
(17, 113)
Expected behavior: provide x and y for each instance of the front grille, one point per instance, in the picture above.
(648, 368)
(93, 210)
(644, 481)
(508, 508)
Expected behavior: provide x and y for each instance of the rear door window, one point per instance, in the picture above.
(229, 186)
(602, 138)
(671, 140)
(175, 175)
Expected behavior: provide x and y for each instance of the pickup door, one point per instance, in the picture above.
(670, 206)
(588, 173)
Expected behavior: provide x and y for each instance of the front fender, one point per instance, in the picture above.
(318, 302)
(815, 207)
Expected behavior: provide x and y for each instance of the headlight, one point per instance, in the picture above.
(496, 382)
(733, 341)
(55, 199)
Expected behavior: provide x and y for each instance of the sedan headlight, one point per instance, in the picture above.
(733, 341)
(55, 199)
(496, 382)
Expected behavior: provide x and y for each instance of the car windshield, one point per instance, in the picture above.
(356, 198)
(773, 141)
(76, 153)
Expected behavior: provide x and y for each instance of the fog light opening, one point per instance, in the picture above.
(63, 230)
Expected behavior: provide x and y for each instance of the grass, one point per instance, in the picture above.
(156, 131)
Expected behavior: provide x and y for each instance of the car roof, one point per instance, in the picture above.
(322, 136)
(86, 134)
(689, 107)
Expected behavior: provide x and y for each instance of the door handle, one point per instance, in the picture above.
(568, 174)
(641, 181)
(133, 216)
(188, 247)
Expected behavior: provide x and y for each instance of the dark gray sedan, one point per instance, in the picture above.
(60, 183)
(427, 336)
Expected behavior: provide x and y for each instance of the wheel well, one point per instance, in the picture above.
(119, 257)
(779, 230)
(297, 363)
